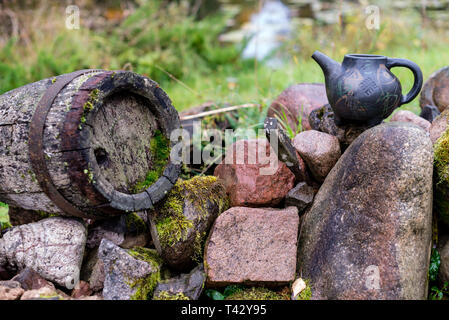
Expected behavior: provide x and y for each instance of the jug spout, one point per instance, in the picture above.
(329, 66)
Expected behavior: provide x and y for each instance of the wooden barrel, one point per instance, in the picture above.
(90, 144)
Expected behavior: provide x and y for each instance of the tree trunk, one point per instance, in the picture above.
(94, 143)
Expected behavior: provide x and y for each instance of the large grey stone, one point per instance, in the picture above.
(53, 247)
(368, 232)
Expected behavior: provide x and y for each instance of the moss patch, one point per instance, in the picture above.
(134, 223)
(160, 152)
(145, 286)
(441, 158)
(257, 294)
(198, 246)
(441, 172)
(148, 255)
(165, 295)
(171, 224)
(88, 106)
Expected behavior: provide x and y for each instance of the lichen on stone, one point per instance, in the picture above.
(257, 293)
(160, 152)
(166, 295)
(145, 286)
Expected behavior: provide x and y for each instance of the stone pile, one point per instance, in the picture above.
(347, 215)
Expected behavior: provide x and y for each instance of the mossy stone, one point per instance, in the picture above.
(145, 286)
(180, 224)
(441, 165)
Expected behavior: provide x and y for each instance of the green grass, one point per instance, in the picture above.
(4, 218)
(161, 40)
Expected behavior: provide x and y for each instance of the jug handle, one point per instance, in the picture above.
(396, 62)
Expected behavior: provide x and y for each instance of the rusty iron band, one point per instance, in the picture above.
(36, 143)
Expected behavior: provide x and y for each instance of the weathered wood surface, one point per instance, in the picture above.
(96, 142)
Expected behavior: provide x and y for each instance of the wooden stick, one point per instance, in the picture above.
(208, 113)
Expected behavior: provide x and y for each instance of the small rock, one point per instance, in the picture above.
(368, 233)
(82, 289)
(10, 290)
(31, 280)
(319, 150)
(126, 231)
(435, 91)
(322, 120)
(429, 113)
(44, 293)
(301, 196)
(92, 271)
(408, 116)
(131, 274)
(251, 181)
(185, 285)
(252, 246)
(297, 102)
(53, 247)
(439, 126)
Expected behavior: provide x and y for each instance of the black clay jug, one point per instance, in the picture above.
(362, 90)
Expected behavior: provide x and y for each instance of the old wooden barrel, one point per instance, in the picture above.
(90, 144)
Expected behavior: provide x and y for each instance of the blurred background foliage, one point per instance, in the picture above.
(187, 45)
